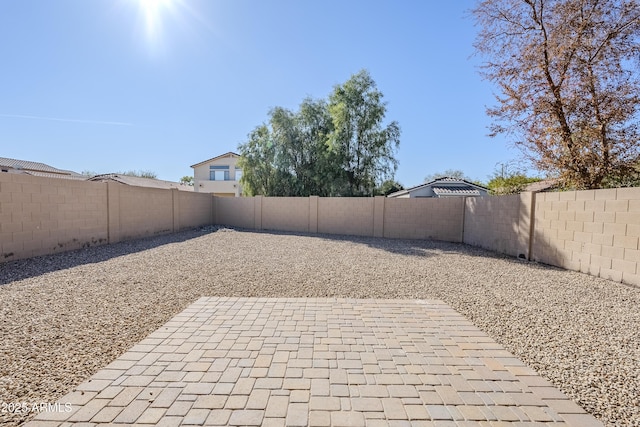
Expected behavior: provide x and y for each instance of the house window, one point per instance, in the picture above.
(219, 173)
(238, 174)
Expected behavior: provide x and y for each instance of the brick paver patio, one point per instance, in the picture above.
(317, 362)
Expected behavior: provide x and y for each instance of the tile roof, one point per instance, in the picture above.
(458, 190)
(544, 185)
(38, 169)
(31, 166)
(465, 188)
(71, 175)
(141, 182)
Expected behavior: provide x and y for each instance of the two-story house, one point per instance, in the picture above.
(219, 175)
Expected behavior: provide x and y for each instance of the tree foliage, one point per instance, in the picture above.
(140, 174)
(567, 70)
(365, 148)
(187, 180)
(511, 184)
(388, 187)
(450, 173)
(337, 147)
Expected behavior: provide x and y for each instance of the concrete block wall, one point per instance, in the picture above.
(236, 212)
(501, 224)
(194, 209)
(424, 218)
(45, 215)
(356, 216)
(594, 231)
(40, 216)
(346, 215)
(144, 212)
(285, 213)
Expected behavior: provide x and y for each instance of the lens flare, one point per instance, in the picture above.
(153, 12)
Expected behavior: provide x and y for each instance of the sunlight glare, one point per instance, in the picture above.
(152, 12)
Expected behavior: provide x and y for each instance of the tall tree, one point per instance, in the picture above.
(359, 140)
(335, 148)
(569, 82)
(262, 166)
(288, 157)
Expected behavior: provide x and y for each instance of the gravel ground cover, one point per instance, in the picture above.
(65, 316)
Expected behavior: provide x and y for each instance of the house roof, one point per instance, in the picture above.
(451, 187)
(544, 185)
(141, 182)
(70, 175)
(38, 169)
(229, 154)
(458, 190)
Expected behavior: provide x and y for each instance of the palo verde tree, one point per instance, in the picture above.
(568, 73)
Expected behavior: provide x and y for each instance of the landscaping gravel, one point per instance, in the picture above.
(65, 316)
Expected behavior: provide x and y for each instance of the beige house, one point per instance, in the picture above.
(218, 175)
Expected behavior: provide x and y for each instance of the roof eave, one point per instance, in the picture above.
(216, 158)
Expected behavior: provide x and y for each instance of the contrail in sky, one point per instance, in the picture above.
(57, 119)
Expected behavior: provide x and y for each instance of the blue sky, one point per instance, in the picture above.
(104, 86)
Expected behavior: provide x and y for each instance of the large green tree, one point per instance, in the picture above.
(334, 148)
(364, 145)
(261, 163)
(569, 82)
(289, 156)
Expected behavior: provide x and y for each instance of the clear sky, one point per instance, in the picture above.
(159, 85)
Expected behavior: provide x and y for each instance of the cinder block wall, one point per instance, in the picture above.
(40, 216)
(500, 224)
(595, 231)
(194, 209)
(357, 216)
(144, 212)
(285, 213)
(346, 215)
(439, 219)
(235, 212)
(45, 215)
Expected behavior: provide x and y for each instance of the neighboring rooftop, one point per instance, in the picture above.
(141, 182)
(36, 169)
(443, 187)
(544, 185)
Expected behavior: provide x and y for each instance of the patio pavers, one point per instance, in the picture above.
(318, 362)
